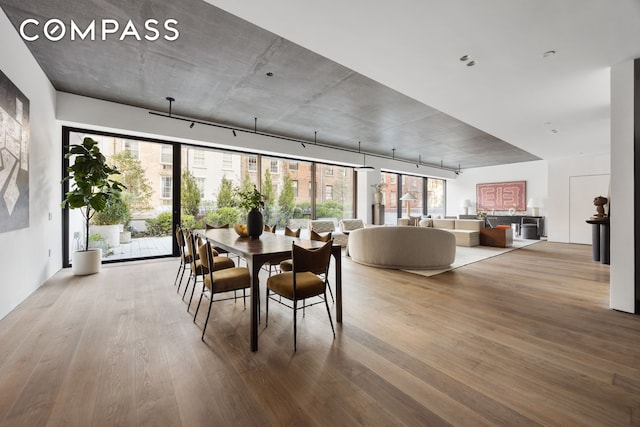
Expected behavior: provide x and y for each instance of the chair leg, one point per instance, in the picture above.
(244, 298)
(330, 291)
(204, 328)
(295, 321)
(266, 318)
(184, 267)
(187, 285)
(326, 303)
(195, 283)
(197, 308)
(175, 282)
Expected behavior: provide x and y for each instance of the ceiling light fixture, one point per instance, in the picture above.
(234, 130)
(170, 99)
(192, 125)
(548, 53)
(364, 166)
(269, 74)
(471, 63)
(464, 58)
(393, 153)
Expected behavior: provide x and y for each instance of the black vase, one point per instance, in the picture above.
(255, 223)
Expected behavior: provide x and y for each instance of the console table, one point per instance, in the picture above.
(600, 239)
(377, 214)
(494, 220)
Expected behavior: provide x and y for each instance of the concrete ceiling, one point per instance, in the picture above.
(553, 107)
(393, 74)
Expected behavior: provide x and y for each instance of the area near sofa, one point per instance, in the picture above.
(466, 231)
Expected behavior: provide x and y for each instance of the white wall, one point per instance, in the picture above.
(560, 173)
(25, 253)
(464, 187)
(622, 292)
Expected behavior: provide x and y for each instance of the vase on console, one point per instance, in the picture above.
(377, 197)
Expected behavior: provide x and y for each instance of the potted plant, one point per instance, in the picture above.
(110, 223)
(377, 194)
(92, 190)
(251, 200)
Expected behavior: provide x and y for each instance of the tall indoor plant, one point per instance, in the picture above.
(92, 190)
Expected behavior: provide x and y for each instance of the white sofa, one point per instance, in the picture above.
(403, 247)
(466, 231)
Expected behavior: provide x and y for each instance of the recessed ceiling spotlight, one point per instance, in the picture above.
(269, 74)
(471, 63)
(464, 58)
(548, 53)
(554, 130)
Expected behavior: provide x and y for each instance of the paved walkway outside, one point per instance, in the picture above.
(142, 247)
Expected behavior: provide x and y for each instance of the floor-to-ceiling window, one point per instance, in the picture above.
(334, 192)
(429, 195)
(412, 186)
(436, 197)
(139, 223)
(286, 186)
(201, 183)
(390, 197)
(209, 181)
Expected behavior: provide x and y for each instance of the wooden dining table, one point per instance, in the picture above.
(269, 247)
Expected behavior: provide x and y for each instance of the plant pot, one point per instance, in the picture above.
(255, 223)
(125, 237)
(110, 233)
(86, 262)
(377, 197)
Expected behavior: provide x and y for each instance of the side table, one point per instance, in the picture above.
(497, 237)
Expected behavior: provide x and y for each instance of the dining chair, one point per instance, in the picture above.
(220, 250)
(270, 229)
(198, 269)
(219, 281)
(274, 264)
(287, 265)
(302, 283)
(185, 257)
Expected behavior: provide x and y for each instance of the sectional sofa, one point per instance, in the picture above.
(466, 231)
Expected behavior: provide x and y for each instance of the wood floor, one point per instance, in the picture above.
(525, 338)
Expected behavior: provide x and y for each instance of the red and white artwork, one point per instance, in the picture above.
(502, 196)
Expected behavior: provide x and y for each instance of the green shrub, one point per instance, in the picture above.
(160, 226)
(116, 212)
(223, 216)
(329, 209)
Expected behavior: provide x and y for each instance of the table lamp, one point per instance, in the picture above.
(465, 205)
(408, 197)
(535, 205)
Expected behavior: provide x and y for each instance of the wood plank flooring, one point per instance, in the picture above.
(525, 338)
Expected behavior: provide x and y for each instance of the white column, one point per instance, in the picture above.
(366, 178)
(622, 287)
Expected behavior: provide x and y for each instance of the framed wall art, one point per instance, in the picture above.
(501, 196)
(14, 157)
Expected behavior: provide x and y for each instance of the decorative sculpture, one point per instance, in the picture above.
(599, 203)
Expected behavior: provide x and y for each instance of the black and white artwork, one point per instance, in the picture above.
(14, 157)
